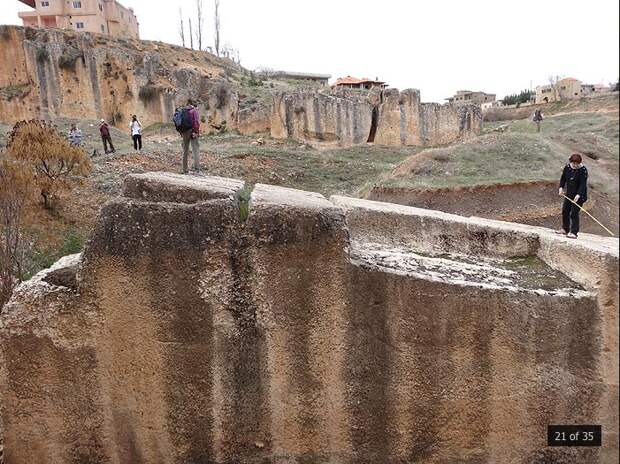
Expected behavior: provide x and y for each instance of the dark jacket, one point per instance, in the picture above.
(538, 116)
(575, 182)
(104, 129)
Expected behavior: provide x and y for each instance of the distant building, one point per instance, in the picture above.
(565, 89)
(489, 105)
(101, 16)
(360, 84)
(467, 96)
(322, 79)
(594, 89)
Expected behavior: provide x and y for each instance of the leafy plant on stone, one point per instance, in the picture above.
(56, 165)
(42, 54)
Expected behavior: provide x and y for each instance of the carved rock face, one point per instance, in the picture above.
(338, 330)
(389, 117)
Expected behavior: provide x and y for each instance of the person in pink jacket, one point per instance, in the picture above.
(190, 137)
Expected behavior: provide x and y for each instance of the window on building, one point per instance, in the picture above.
(100, 7)
(77, 4)
(45, 4)
(79, 25)
(563, 87)
(102, 28)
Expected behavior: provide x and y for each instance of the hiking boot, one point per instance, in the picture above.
(561, 232)
(571, 235)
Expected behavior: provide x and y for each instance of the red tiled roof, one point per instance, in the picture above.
(349, 80)
(30, 3)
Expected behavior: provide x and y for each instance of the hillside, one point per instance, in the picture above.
(489, 176)
(49, 73)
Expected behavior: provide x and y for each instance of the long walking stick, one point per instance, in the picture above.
(596, 220)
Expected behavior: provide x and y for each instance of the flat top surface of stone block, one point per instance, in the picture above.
(350, 203)
(269, 195)
(179, 187)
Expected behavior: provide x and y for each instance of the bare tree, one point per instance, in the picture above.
(217, 30)
(191, 34)
(200, 21)
(15, 191)
(181, 27)
(553, 82)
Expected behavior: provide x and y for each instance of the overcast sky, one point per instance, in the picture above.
(437, 46)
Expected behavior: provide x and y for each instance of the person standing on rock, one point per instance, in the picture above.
(538, 118)
(136, 133)
(75, 136)
(187, 122)
(106, 138)
(573, 186)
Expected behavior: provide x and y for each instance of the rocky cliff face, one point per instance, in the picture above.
(387, 118)
(50, 73)
(312, 330)
(322, 117)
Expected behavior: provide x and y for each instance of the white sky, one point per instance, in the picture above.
(437, 46)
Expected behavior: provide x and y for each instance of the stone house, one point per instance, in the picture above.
(322, 79)
(467, 96)
(99, 16)
(594, 89)
(364, 83)
(568, 88)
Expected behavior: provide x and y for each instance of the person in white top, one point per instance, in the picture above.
(136, 133)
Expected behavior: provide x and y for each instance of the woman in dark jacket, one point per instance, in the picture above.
(574, 185)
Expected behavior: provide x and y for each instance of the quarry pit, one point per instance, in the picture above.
(207, 321)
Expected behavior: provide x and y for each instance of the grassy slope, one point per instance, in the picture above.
(519, 154)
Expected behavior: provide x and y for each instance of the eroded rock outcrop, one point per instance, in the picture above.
(51, 73)
(322, 117)
(314, 330)
(389, 117)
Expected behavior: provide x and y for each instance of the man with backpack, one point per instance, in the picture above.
(187, 123)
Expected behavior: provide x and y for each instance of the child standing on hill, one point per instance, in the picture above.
(136, 133)
(75, 136)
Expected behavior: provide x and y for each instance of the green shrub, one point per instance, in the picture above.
(517, 98)
(244, 203)
(43, 54)
(69, 57)
(221, 95)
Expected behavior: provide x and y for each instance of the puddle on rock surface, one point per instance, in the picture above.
(529, 274)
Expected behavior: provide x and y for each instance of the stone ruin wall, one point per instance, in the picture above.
(386, 118)
(314, 330)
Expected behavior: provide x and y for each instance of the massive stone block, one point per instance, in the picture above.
(387, 118)
(318, 117)
(312, 330)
